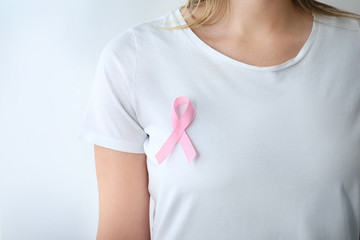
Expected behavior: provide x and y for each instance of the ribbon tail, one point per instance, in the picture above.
(188, 147)
(168, 146)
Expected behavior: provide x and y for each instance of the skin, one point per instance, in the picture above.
(123, 195)
(256, 32)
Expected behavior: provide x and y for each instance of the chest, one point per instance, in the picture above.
(261, 130)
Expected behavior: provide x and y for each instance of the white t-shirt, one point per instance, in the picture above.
(277, 147)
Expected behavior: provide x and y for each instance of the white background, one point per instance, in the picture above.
(48, 54)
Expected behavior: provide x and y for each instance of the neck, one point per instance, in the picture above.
(259, 17)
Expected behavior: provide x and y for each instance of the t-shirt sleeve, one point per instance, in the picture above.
(110, 118)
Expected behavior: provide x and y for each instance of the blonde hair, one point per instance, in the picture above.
(217, 9)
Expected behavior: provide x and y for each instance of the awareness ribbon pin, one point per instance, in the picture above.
(178, 133)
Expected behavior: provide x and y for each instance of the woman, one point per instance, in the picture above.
(244, 126)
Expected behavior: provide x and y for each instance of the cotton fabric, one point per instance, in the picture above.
(278, 147)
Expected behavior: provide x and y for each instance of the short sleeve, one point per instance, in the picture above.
(110, 119)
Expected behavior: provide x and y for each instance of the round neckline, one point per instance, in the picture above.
(218, 55)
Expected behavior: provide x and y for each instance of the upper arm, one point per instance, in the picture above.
(111, 123)
(123, 195)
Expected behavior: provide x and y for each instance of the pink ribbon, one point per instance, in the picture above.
(178, 133)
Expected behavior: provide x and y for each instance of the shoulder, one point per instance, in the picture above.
(341, 33)
(154, 32)
(145, 32)
(122, 43)
(156, 24)
(339, 23)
